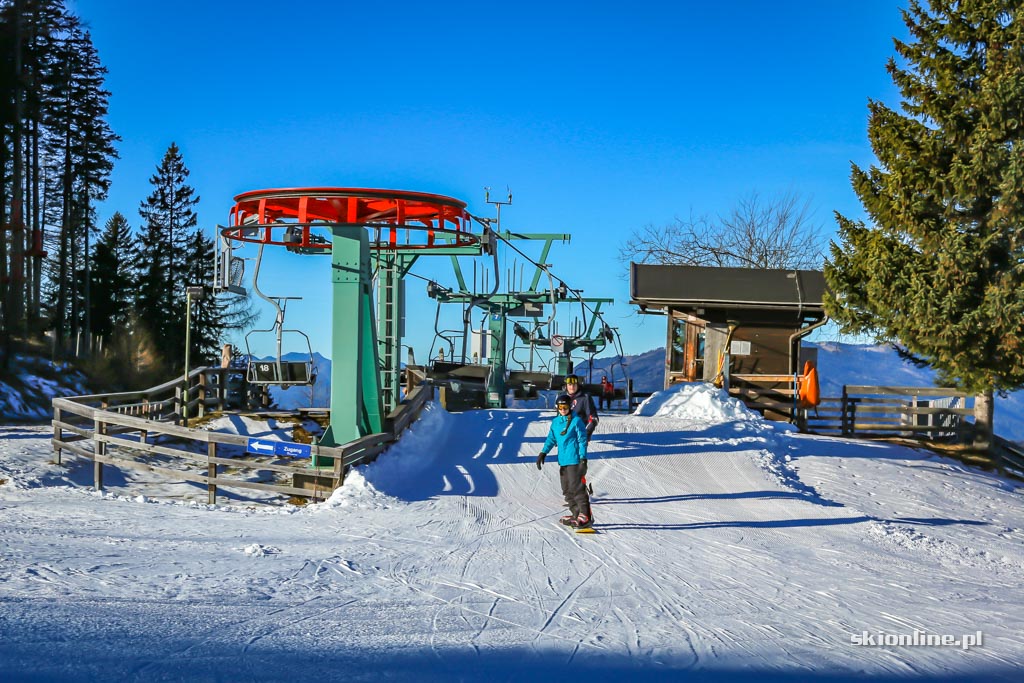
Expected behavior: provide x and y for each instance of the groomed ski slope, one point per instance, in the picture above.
(729, 549)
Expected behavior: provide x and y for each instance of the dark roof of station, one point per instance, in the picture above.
(660, 286)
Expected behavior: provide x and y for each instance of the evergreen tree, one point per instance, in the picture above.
(940, 270)
(112, 285)
(162, 269)
(53, 110)
(82, 145)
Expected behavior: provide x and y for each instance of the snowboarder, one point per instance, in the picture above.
(568, 434)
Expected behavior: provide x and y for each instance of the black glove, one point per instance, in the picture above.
(583, 467)
(540, 459)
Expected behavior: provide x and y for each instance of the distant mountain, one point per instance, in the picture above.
(647, 370)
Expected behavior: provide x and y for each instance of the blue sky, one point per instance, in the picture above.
(601, 117)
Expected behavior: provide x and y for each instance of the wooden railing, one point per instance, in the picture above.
(1009, 458)
(121, 429)
(766, 393)
(205, 389)
(932, 412)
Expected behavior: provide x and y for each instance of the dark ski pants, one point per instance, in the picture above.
(574, 490)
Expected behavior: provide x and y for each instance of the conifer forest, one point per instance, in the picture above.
(113, 292)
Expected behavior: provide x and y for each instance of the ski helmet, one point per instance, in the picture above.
(563, 400)
(572, 379)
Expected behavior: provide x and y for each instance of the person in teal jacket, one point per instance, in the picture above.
(569, 435)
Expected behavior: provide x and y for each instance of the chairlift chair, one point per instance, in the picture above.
(280, 372)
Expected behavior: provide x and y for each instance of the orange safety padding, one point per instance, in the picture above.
(810, 392)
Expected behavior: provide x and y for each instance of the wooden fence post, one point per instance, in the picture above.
(58, 433)
(843, 415)
(222, 388)
(338, 477)
(211, 473)
(99, 448)
(202, 394)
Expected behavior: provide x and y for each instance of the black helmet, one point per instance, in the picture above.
(572, 379)
(563, 400)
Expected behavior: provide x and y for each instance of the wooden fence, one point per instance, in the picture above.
(121, 430)
(1009, 458)
(931, 412)
(206, 389)
(913, 412)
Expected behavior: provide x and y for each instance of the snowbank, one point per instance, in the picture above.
(696, 401)
(413, 454)
(41, 381)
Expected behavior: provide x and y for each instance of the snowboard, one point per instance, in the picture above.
(584, 530)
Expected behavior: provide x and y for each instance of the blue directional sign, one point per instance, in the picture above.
(294, 450)
(261, 446)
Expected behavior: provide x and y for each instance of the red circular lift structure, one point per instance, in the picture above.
(402, 226)
(300, 210)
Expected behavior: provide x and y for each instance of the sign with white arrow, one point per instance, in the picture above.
(260, 447)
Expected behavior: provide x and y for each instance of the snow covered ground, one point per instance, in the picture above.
(729, 549)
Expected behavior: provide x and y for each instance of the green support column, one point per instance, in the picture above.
(496, 378)
(562, 364)
(355, 383)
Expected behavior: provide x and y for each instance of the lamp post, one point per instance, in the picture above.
(190, 293)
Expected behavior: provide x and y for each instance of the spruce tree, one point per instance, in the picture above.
(162, 268)
(939, 271)
(112, 285)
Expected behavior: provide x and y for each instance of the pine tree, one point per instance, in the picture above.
(162, 269)
(112, 285)
(88, 153)
(940, 270)
(95, 153)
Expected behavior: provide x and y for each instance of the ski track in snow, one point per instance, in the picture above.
(728, 549)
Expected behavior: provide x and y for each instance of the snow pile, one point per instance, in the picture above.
(413, 455)
(260, 550)
(356, 492)
(698, 401)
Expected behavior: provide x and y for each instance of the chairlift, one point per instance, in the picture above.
(229, 270)
(280, 372)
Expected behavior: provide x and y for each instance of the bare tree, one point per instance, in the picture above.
(777, 233)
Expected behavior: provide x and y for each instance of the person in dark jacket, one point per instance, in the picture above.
(607, 392)
(582, 404)
(569, 436)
